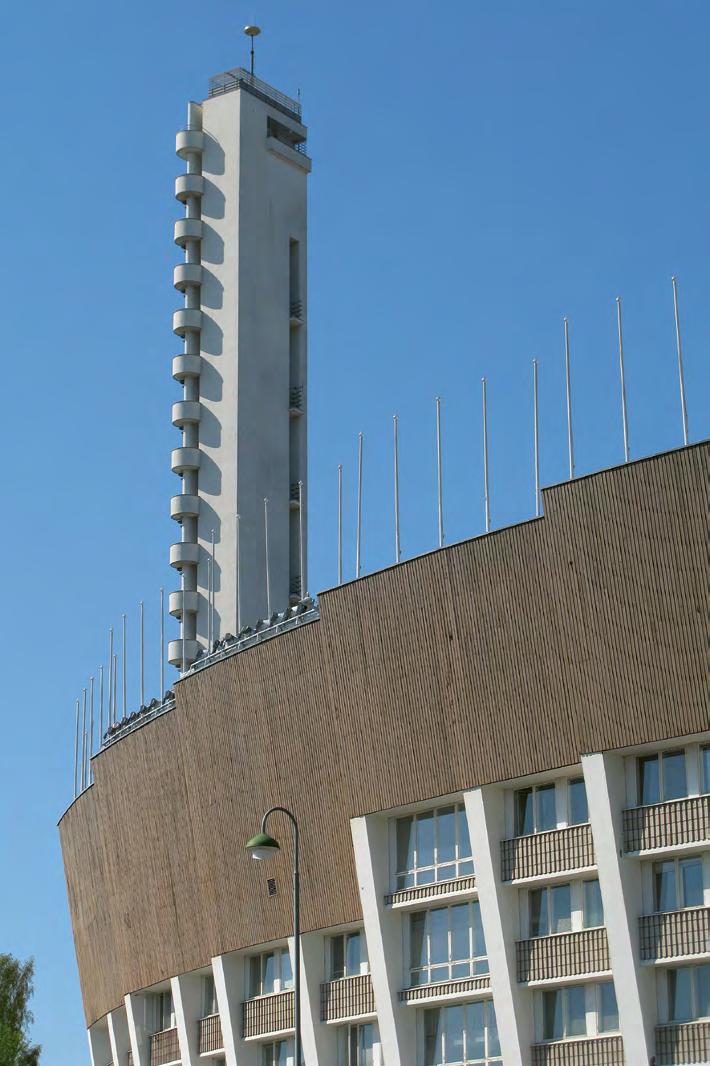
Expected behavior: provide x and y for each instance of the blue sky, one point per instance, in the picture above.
(480, 170)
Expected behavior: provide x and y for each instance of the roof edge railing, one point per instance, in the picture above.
(229, 80)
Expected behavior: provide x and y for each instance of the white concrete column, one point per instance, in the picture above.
(320, 1047)
(383, 931)
(99, 1045)
(229, 982)
(118, 1036)
(187, 1003)
(485, 811)
(621, 887)
(138, 1028)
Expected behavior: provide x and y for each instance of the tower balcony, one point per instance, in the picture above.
(179, 651)
(186, 366)
(184, 506)
(186, 319)
(187, 229)
(186, 412)
(188, 141)
(187, 185)
(184, 553)
(185, 274)
(187, 600)
(183, 459)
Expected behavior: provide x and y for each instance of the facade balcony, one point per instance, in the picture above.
(265, 1015)
(186, 319)
(209, 1035)
(164, 1048)
(186, 412)
(670, 825)
(461, 988)
(187, 185)
(186, 366)
(556, 851)
(187, 229)
(183, 599)
(188, 141)
(561, 955)
(463, 887)
(683, 1044)
(675, 934)
(184, 506)
(596, 1051)
(182, 459)
(348, 997)
(186, 274)
(177, 653)
(184, 553)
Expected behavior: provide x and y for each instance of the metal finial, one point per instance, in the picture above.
(252, 32)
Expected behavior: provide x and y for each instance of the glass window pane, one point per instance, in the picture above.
(352, 954)
(417, 941)
(255, 975)
(267, 1055)
(576, 1011)
(705, 768)
(464, 841)
(454, 1033)
(593, 908)
(675, 783)
(425, 839)
(286, 971)
(493, 1041)
(561, 917)
(475, 1031)
(439, 935)
(433, 1049)
(648, 784)
(608, 1010)
(552, 1028)
(337, 958)
(702, 990)
(283, 1057)
(446, 834)
(405, 844)
(538, 912)
(479, 940)
(691, 882)
(268, 970)
(680, 1007)
(546, 813)
(664, 894)
(578, 810)
(524, 824)
(446, 873)
(460, 931)
(366, 1046)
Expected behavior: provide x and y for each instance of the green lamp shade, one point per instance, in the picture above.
(262, 846)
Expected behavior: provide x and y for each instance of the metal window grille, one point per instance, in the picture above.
(164, 1047)
(210, 1034)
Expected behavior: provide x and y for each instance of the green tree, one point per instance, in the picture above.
(16, 987)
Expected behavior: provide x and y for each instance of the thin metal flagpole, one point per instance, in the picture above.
(83, 742)
(114, 671)
(301, 546)
(162, 643)
(537, 440)
(209, 604)
(237, 574)
(681, 379)
(91, 727)
(266, 556)
(358, 539)
(624, 415)
(486, 501)
(440, 491)
(212, 577)
(340, 523)
(570, 440)
(397, 544)
(101, 706)
(111, 706)
(142, 653)
(76, 749)
(123, 620)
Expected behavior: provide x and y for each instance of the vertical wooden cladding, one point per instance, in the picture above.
(492, 659)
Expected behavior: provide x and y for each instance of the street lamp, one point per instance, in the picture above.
(262, 847)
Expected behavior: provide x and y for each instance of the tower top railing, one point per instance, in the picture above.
(229, 80)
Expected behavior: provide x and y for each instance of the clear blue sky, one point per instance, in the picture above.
(480, 169)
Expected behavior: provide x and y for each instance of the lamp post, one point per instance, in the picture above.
(263, 846)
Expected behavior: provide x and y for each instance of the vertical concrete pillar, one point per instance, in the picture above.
(383, 931)
(138, 1028)
(229, 983)
(118, 1036)
(187, 1003)
(319, 1040)
(621, 887)
(485, 811)
(99, 1045)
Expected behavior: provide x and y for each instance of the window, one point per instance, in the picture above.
(461, 1034)
(347, 955)
(678, 883)
(593, 914)
(270, 972)
(608, 1016)
(705, 767)
(564, 1012)
(550, 910)
(578, 809)
(209, 997)
(277, 1053)
(689, 993)
(164, 1016)
(661, 777)
(446, 943)
(433, 846)
(359, 1045)
(535, 810)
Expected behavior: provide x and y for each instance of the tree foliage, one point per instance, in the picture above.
(16, 987)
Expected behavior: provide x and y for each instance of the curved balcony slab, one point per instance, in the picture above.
(186, 366)
(186, 319)
(177, 649)
(184, 553)
(183, 459)
(187, 229)
(185, 274)
(185, 412)
(184, 506)
(187, 185)
(189, 599)
(188, 141)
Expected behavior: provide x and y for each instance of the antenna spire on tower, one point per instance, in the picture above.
(252, 32)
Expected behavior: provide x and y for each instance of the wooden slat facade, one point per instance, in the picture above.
(492, 659)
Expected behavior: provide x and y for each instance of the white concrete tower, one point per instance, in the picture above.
(243, 368)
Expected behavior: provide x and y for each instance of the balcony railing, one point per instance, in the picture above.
(464, 985)
(296, 309)
(683, 1043)
(348, 997)
(440, 888)
(674, 934)
(239, 77)
(267, 1014)
(164, 1047)
(599, 1051)
(563, 955)
(666, 825)
(210, 1034)
(553, 852)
